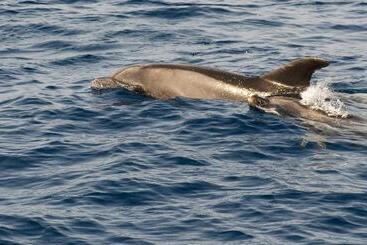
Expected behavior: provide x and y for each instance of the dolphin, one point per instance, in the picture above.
(286, 106)
(292, 107)
(164, 81)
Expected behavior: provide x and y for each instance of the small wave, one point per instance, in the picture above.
(77, 59)
(321, 97)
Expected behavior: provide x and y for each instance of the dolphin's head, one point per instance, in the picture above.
(128, 76)
(263, 104)
(258, 102)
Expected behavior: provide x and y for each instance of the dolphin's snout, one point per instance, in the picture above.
(104, 83)
(96, 83)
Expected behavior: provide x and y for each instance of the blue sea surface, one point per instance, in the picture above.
(79, 166)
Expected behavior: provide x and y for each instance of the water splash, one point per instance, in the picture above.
(321, 97)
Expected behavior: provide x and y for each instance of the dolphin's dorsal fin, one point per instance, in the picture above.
(297, 73)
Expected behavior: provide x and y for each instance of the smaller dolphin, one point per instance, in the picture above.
(288, 106)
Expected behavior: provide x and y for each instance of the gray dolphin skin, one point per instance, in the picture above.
(164, 81)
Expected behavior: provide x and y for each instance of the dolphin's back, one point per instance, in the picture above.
(234, 79)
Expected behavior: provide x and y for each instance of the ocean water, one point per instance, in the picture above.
(85, 167)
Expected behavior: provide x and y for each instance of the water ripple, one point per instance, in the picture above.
(82, 167)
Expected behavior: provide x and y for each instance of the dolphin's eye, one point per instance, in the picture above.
(262, 102)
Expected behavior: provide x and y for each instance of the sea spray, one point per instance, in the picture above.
(321, 97)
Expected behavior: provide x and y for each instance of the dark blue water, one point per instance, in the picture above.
(84, 167)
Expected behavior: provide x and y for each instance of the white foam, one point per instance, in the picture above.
(321, 97)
